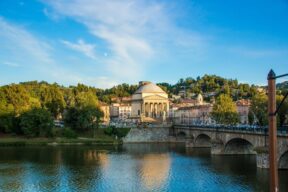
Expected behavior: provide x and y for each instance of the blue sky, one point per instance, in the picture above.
(104, 43)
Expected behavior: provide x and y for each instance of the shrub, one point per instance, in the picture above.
(83, 119)
(120, 132)
(109, 131)
(56, 132)
(6, 123)
(69, 133)
(37, 122)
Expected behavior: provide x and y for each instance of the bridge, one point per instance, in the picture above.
(228, 140)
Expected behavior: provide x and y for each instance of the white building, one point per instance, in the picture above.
(120, 111)
(149, 101)
(199, 114)
(243, 107)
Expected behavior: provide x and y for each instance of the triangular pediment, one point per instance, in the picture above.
(155, 97)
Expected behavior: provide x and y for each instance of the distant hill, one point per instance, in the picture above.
(210, 86)
(282, 86)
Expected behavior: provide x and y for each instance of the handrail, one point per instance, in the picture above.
(257, 129)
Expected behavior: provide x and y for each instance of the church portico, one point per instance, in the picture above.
(155, 109)
(150, 101)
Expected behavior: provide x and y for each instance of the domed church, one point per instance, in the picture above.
(150, 101)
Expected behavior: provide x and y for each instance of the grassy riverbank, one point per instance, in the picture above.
(99, 137)
(19, 141)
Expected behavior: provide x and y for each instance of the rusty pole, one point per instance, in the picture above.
(273, 168)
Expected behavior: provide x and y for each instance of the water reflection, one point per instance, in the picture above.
(137, 167)
(155, 170)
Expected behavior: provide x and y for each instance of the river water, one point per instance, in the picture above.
(133, 167)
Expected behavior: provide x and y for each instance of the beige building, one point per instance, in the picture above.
(199, 114)
(120, 111)
(243, 107)
(150, 101)
(106, 110)
(198, 101)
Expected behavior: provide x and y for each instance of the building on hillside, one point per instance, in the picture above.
(243, 107)
(182, 93)
(106, 111)
(114, 110)
(175, 97)
(186, 103)
(173, 107)
(197, 115)
(121, 99)
(125, 110)
(192, 102)
(121, 111)
(210, 94)
(149, 102)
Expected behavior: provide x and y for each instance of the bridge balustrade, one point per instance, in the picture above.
(241, 128)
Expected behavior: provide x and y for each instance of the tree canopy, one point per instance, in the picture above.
(259, 106)
(225, 111)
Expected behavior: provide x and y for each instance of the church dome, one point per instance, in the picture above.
(149, 88)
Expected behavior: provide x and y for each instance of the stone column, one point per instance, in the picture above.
(161, 109)
(143, 108)
(155, 109)
(158, 110)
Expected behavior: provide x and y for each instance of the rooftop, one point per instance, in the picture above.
(149, 87)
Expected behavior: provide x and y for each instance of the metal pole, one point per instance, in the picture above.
(272, 132)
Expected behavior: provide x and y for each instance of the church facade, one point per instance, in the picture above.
(149, 101)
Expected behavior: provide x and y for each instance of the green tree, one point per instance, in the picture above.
(17, 96)
(7, 123)
(250, 117)
(37, 122)
(86, 99)
(83, 119)
(259, 104)
(283, 110)
(225, 111)
(52, 98)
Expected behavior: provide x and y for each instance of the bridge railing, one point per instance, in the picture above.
(241, 128)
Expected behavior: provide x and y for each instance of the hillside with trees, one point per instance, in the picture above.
(79, 105)
(29, 108)
(210, 86)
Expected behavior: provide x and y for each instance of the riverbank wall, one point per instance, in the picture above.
(149, 135)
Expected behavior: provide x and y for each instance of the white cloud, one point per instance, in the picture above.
(134, 31)
(51, 14)
(15, 38)
(36, 59)
(81, 46)
(11, 64)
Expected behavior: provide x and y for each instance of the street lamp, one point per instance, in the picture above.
(272, 111)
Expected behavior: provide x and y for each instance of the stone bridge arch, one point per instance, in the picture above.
(282, 155)
(252, 140)
(239, 146)
(283, 161)
(184, 135)
(181, 134)
(202, 140)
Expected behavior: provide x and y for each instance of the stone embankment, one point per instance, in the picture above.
(148, 135)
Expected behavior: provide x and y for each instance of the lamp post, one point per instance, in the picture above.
(272, 111)
(272, 132)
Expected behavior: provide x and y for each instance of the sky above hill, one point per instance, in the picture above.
(104, 43)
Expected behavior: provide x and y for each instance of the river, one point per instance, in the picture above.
(131, 167)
